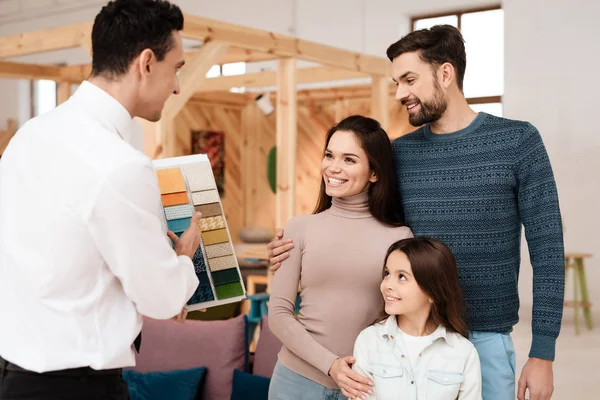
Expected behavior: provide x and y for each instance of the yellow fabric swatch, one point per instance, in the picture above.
(170, 180)
(214, 237)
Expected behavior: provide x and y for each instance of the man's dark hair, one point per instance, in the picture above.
(436, 46)
(124, 28)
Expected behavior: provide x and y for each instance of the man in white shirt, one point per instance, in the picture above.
(83, 252)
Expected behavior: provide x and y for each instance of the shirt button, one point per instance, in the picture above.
(412, 382)
(384, 371)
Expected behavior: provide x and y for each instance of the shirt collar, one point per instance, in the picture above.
(105, 108)
(389, 330)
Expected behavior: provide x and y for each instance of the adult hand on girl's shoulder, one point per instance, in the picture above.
(353, 385)
(278, 250)
(537, 377)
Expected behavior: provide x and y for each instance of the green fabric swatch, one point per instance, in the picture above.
(229, 290)
(225, 276)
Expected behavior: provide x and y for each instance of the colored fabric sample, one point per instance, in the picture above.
(179, 225)
(229, 290)
(214, 237)
(202, 294)
(204, 197)
(218, 250)
(221, 263)
(225, 276)
(198, 261)
(199, 176)
(212, 223)
(210, 209)
(203, 278)
(178, 212)
(170, 180)
(174, 199)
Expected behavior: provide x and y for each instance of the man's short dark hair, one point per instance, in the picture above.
(124, 28)
(436, 46)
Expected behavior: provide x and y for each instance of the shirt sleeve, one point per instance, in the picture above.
(471, 386)
(284, 289)
(126, 225)
(361, 360)
(539, 210)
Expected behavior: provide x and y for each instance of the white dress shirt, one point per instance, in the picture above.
(447, 368)
(83, 250)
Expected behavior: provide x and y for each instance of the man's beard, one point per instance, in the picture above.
(430, 111)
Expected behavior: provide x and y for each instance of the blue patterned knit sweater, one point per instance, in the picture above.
(472, 189)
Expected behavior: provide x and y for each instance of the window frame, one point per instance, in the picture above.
(459, 13)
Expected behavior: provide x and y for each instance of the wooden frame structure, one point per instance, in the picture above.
(221, 42)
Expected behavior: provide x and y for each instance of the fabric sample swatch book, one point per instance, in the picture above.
(187, 184)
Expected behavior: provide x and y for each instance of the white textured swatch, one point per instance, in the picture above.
(204, 197)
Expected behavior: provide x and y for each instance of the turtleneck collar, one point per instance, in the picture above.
(356, 206)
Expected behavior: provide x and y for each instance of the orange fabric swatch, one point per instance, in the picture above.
(170, 180)
(214, 237)
(174, 199)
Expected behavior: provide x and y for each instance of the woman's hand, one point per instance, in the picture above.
(353, 384)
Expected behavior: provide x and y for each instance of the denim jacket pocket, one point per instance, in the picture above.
(388, 376)
(443, 385)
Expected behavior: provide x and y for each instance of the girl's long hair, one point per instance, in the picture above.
(434, 268)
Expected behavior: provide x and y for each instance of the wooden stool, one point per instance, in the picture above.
(574, 261)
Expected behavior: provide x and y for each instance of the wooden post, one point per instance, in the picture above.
(379, 101)
(286, 141)
(63, 92)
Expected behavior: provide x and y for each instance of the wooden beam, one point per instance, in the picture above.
(200, 28)
(6, 135)
(286, 110)
(269, 78)
(14, 70)
(63, 37)
(193, 75)
(63, 92)
(237, 54)
(342, 92)
(379, 101)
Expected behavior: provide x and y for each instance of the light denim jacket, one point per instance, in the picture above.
(448, 368)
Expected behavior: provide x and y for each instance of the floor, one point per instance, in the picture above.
(577, 363)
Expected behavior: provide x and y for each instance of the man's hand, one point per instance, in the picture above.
(278, 250)
(537, 377)
(353, 384)
(188, 243)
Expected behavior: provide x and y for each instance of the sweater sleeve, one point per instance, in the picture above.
(539, 210)
(282, 322)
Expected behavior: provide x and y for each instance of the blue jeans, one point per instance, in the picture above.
(288, 385)
(498, 362)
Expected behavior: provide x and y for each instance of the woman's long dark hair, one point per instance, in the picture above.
(384, 198)
(434, 268)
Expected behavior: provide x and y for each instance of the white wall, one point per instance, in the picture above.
(550, 80)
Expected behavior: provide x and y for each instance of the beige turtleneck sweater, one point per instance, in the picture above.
(338, 259)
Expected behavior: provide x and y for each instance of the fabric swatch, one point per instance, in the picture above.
(178, 212)
(203, 278)
(210, 209)
(206, 196)
(221, 263)
(199, 176)
(179, 225)
(202, 294)
(218, 250)
(174, 199)
(229, 290)
(198, 261)
(212, 223)
(170, 180)
(214, 237)
(225, 276)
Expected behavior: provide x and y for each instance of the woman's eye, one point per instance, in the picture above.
(402, 277)
(350, 160)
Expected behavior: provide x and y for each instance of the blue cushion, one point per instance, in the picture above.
(172, 385)
(249, 387)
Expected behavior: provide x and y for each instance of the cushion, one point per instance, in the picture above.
(267, 348)
(220, 346)
(172, 385)
(249, 387)
(256, 235)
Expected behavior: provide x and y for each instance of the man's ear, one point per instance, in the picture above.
(447, 74)
(146, 61)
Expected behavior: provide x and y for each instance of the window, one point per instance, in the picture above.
(483, 31)
(43, 95)
(236, 68)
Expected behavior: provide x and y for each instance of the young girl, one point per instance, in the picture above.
(419, 348)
